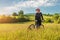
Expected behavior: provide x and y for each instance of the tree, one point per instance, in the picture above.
(56, 16)
(14, 14)
(58, 20)
(21, 14)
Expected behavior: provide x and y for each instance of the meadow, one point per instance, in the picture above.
(18, 31)
(12, 29)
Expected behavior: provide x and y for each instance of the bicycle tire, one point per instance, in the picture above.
(32, 26)
(42, 25)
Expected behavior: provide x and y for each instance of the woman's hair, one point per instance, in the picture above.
(37, 9)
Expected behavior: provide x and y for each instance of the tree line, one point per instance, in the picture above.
(55, 18)
(16, 17)
(20, 17)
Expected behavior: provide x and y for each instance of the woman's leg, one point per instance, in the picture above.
(39, 23)
(36, 23)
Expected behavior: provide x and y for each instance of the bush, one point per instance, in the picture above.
(14, 14)
(58, 20)
(48, 14)
(56, 16)
(48, 20)
(22, 19)
(8, 20)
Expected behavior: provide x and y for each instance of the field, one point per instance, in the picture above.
(18, 31)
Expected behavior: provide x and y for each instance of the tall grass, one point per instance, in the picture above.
(50, 32)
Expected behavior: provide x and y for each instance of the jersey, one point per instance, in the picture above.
(38, 16)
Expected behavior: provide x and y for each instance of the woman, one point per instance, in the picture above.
(38, 18)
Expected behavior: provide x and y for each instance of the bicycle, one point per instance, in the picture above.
(33, 26)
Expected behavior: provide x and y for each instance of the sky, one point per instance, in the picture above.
(29, 6)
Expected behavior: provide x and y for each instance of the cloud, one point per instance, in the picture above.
(36, 3)
(28, 4)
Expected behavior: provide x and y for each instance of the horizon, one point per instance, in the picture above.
(7, 7)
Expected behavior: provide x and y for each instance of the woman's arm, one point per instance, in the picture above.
(42, 16)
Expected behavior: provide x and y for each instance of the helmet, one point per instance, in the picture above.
(37, 9)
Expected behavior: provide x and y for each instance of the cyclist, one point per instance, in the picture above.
(38, 18)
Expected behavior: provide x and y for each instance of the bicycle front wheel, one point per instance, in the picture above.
(32, 26)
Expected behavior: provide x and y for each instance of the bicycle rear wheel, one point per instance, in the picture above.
(32, 26)
(42, 25)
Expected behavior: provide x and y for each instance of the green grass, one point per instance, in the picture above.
(20, 32)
